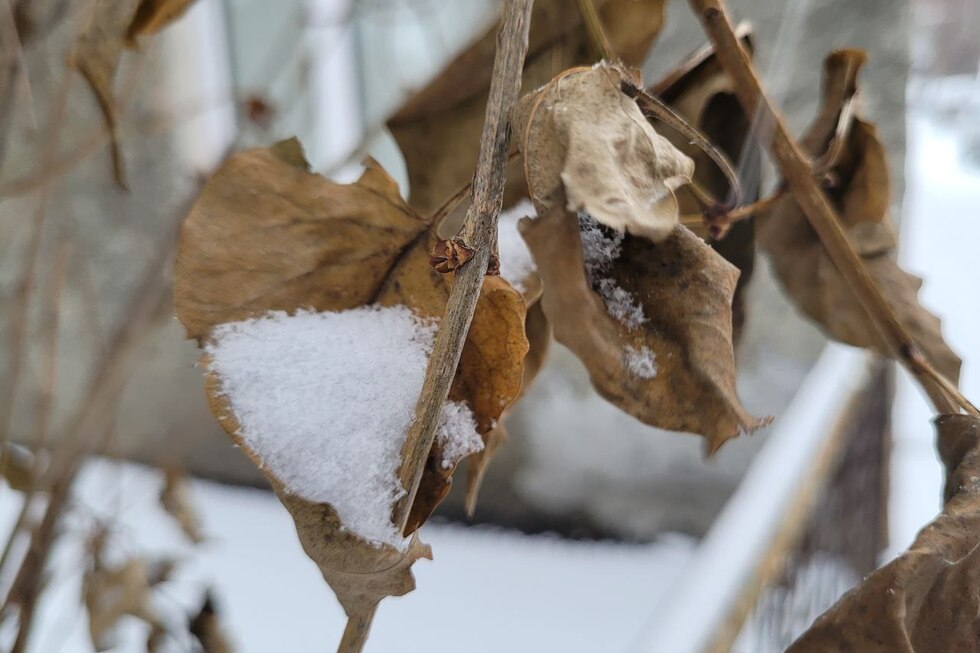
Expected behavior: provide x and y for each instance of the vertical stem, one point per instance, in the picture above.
(798, 173)
(478, 233)
(356, 632)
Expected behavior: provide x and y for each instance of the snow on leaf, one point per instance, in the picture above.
(859, 191)
(317, 306)
(685, 290)
(582, 133)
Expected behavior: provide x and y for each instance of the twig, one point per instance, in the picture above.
(799, 175)
(478, 233)
(593, 27)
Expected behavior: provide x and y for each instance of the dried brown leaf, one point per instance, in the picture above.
(701, 92)
(266, 234)
(112, 26)
(175, 499)
(491, 372)
(685, 291)
(438, 128)
(926, 600)
(861, 195)
(582, 133)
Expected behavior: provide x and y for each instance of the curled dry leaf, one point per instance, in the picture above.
(673, 367)
(582, 133)
(175, 499)
(112, 26)
(491, 371)
(859, 191)
(699, 91)
(926, 600)
(438, 128)
(266, 234)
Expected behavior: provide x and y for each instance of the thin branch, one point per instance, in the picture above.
(593, 27)
(798, 172)
(478, 233)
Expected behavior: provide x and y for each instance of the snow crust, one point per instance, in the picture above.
(325, 400)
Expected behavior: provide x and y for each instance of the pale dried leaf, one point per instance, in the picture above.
(583, 133)
(438, 128)
(685, 290)
(265, 234)
(926, 600)
(861, 195)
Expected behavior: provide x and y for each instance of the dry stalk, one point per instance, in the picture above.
(478, 233)
(798, 173)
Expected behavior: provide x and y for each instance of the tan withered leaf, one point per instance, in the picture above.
(674, 369)
(361, 574)
(112, 26)
(491, 371)
(859, 191)
(266, 234)
(175, 499)
(926, 600)
(582, 133)
(438, 128)
(699, 91)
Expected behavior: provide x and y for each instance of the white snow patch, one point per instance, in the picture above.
(457, 433)
(641, 362)
(516, 262)
(325, 400)
(601, 247)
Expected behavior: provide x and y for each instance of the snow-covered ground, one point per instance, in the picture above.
(940, 236)
(487, 590)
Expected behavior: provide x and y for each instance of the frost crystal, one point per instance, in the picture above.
(601, 246)
(641, 362)
(325, 400)
(515, 258)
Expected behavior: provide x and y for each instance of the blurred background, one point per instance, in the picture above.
(588, 519)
